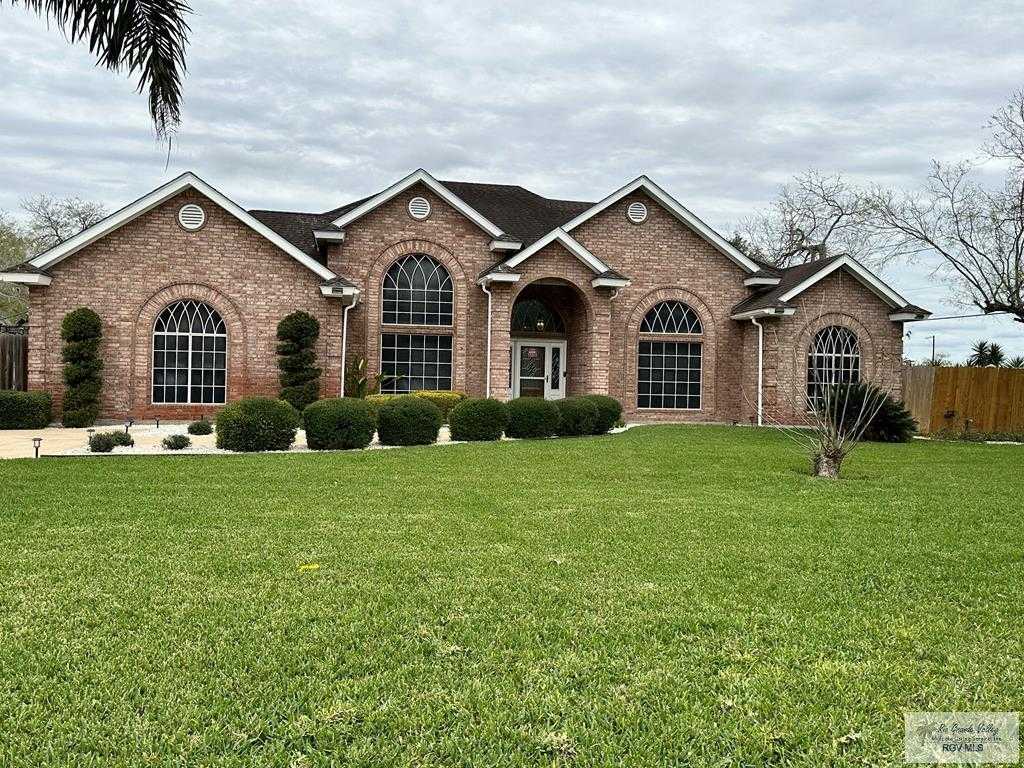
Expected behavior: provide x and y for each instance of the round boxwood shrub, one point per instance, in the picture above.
(201, 426)
(339, 423)
(104, 442)
(578, 416)
(408, 420)
(176, 442)
(532, 417)
(24, 410)
(81, 330)
(478, 419)
(257, 424)
(122, 438)
(297, 335)
(609, 411)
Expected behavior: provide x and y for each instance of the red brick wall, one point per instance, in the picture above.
(131, 274)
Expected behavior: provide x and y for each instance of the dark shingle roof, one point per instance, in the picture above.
(791, 278)
(296, 228)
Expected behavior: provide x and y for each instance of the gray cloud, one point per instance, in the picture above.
(305, 105)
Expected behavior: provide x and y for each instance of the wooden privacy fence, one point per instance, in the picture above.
(13, 356)
(946, 398)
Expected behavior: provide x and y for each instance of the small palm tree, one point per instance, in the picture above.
(1015, 362)
(985, 353)
(144, 37)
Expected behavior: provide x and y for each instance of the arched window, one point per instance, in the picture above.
(535, 316)
(669, 370)
(417, 291)
(189, 354)
(833, 358)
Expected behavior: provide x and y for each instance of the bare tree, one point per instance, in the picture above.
(815, 216)
(14, 243)
(978, 231)
(52, 220)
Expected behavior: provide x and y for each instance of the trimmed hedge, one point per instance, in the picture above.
(339, 423)
(445, 400)
(297, 335)
(82, 330)
(578, 416)
(257, 424)
(478, 419)
(201, 426)
(609, 411)
(24, 410)
(408, 420)
(176, 442)
(532, 417)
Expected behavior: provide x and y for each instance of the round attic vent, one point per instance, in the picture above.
(419, 208)
(637, 213)
(191, 216)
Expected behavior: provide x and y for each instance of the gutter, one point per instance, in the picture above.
(487, 376)
(760, 370)
(344, 339)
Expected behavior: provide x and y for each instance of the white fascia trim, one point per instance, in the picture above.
(339, 291)
(328, 235)
(499, 277)
(420, 177)
(505, 245)
(859, 271)
(761, 280)
(609, 282)
(25, 278)
(156, 197)
(907, 317)
(674, 207)
(570, 244)
(765, 312)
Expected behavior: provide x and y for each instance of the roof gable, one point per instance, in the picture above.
(160, 195)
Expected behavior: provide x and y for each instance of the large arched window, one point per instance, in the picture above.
(535, 316)
(189, 354)
(668, 369)
(833, 358)
(417, 291)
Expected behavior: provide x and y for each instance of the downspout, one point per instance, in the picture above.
(760, 368)
(487, 377)
(344, 339)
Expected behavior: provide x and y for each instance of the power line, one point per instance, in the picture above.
(960, 317)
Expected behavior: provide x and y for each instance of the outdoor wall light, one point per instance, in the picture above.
(540, 325)
(36, 442)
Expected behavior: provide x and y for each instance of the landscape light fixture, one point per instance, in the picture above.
(158, 422)
(36, 442)
(128, 424)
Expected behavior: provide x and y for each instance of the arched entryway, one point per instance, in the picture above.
(550, 340)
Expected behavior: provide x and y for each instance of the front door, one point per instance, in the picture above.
(538, 369)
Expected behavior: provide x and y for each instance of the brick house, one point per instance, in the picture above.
(488, 289)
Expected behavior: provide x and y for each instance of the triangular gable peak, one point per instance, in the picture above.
(158, 196)
(674, 207)
(420, 176)
(863, 275)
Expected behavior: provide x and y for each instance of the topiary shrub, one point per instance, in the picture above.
(24, 410)
(532, 417)
(257, 424)
(609, 411)
(82, 331)
(408, 420)
(478, 419)
(893, 422)
(445, 400)
(103, 442)
(176, 442)
(122, 439)
(578, 415)
(201, 426)
(339, 423)
(297, 335)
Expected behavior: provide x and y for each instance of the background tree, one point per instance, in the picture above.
(146, 38)
(985, 353)
(815, 216)
(1017, 361)
(297, 335)
(978, 231)
(82, 331)
(49, 221)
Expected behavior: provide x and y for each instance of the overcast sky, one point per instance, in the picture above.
(305, 105)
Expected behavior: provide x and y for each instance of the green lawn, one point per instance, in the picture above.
(672, 595)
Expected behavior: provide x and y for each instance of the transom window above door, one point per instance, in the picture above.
(417, 290)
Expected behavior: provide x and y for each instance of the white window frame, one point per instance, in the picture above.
(391, 330)
(676, 338)
(384, 278)
(152, 351)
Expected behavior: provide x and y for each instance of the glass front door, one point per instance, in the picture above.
(538, 369)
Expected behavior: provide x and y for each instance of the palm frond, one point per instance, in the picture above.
(143, 37)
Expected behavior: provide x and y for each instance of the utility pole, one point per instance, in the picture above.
(933, 349)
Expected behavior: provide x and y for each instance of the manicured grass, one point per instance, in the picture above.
(672, 595)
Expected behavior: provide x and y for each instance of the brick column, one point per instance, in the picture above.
(501, 339)
(599, 367)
